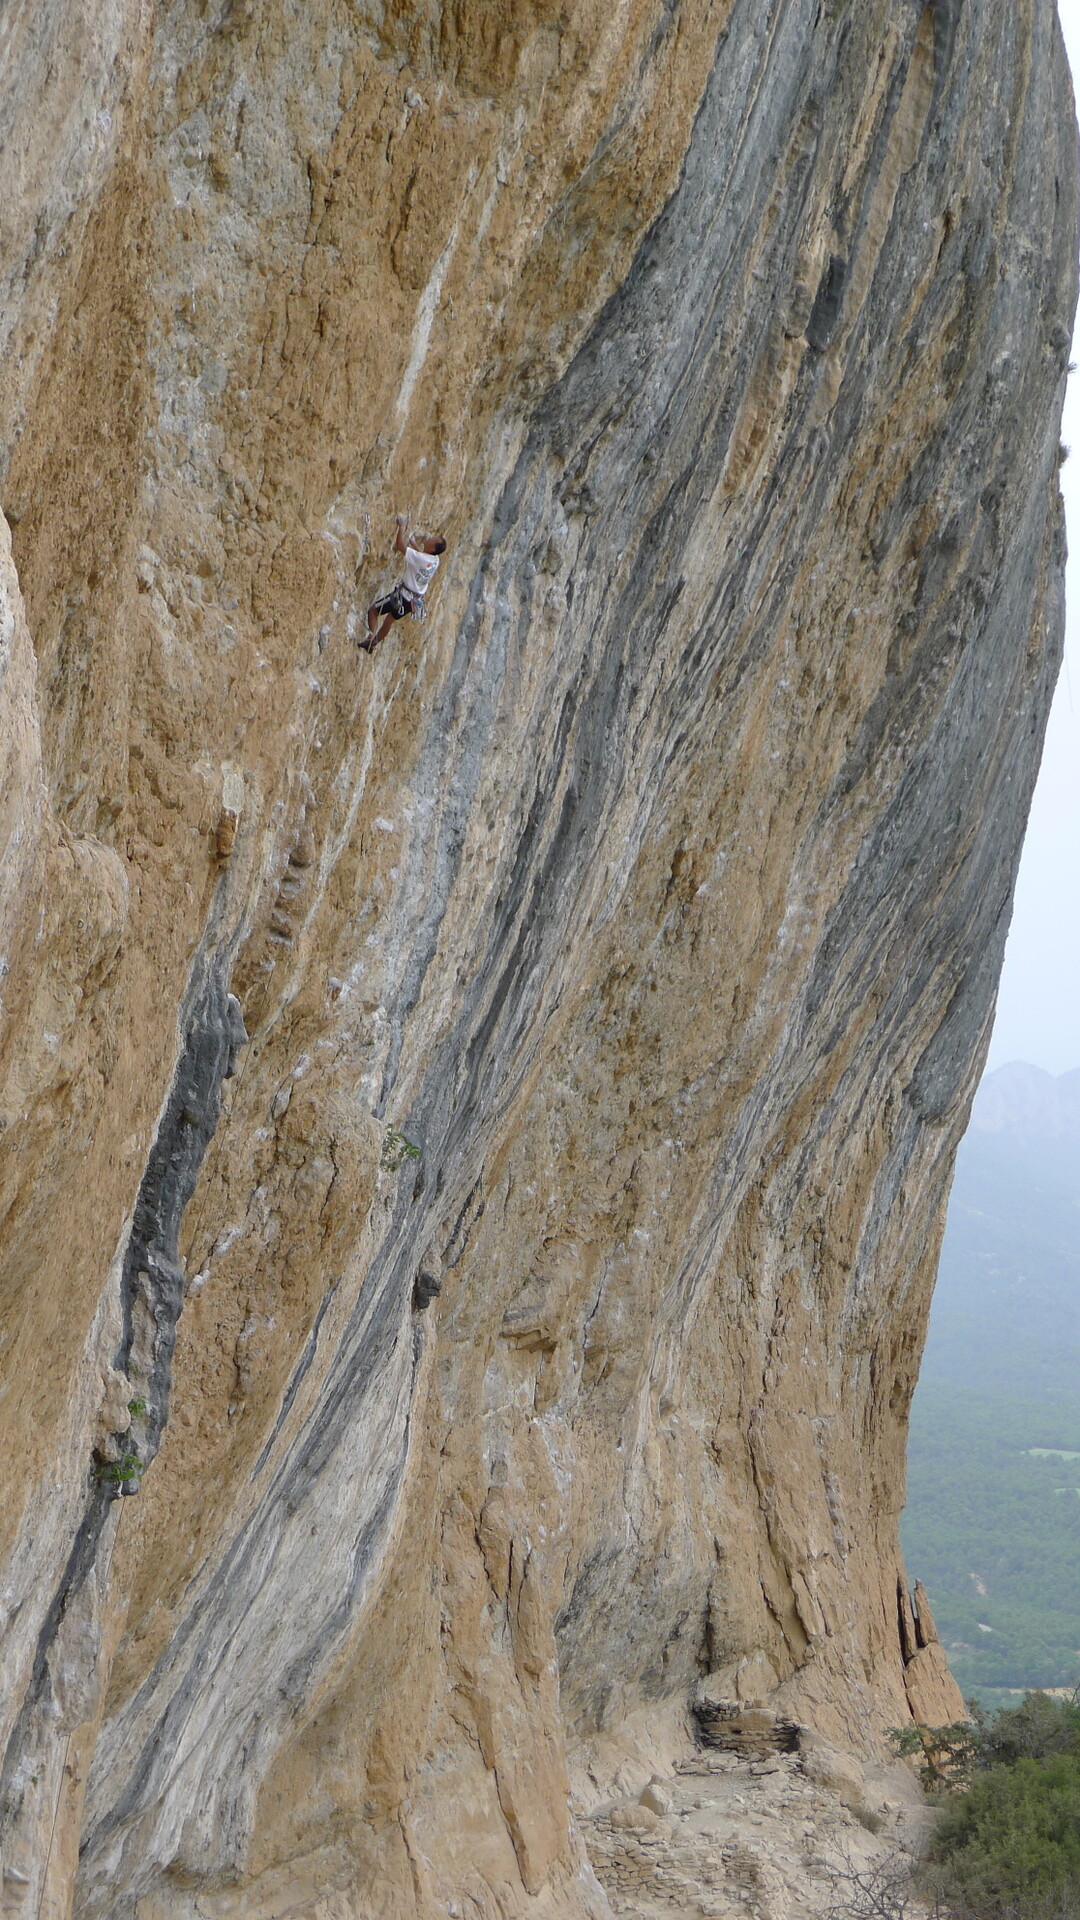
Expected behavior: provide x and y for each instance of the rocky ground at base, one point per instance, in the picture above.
(777, 1839)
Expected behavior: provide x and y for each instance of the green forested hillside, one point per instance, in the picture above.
(993, 1529)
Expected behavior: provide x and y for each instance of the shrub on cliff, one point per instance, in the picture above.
(1008, 1846)
(1036, 1729)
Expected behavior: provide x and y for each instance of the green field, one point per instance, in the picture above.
(995, 1428)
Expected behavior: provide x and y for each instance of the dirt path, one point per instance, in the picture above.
(725, 1838)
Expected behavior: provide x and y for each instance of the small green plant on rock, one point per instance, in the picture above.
(117, 1473)
(137, 1406)
(396, 1150)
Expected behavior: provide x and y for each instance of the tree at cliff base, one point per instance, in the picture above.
(1008, 1843)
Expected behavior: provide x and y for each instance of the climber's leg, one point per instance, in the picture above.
(374, 636)
(392, 607)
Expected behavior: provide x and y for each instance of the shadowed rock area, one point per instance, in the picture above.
(477, 1118)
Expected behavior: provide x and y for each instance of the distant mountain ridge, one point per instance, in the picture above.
(1029, 1102)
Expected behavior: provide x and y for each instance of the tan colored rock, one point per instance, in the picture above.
(493, 1100)
(748, 1681)
(827, 1767)
(656, 1797)
(640, 1819)
(930, 1687)
(925, 1631)
(232, 806)
(114, 1414)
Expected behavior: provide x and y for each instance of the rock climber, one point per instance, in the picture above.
(421, 564)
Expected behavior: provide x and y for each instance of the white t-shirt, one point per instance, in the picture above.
(420, 570)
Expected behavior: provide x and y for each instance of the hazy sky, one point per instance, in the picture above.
(1038, 1016)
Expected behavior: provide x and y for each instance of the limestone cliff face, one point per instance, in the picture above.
(477, 1119)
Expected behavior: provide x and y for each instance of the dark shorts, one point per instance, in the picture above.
(396, 603)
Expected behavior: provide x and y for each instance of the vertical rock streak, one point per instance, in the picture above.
(152, 1280)
(667, 907)
(151, 1300)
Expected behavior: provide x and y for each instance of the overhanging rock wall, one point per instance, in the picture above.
(653, 892)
